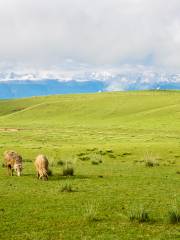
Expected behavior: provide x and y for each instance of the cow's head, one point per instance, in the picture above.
(18, 169)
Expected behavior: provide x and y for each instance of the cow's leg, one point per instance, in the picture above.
(45, 178)
(12, 170)
(38, 175)
(8, 170)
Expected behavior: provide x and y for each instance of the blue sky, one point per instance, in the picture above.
(80, 35)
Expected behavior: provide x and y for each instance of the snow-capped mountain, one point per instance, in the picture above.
(32, 83)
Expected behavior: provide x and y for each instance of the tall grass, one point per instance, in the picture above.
(174, 214)
(91, 212)
(139, 215)
(67, 187)
(96, 158)
(68, 169)
(151, 160)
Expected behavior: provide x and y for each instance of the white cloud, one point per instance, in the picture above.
(41, 33)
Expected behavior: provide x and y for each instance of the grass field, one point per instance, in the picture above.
(111, 139)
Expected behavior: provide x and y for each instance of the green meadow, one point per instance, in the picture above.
(124, 148)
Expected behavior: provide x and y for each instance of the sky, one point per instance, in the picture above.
(100, 34)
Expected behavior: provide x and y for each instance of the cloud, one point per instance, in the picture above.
(106, 32)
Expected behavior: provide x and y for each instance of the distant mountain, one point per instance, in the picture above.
(13, 85)
(28, 88)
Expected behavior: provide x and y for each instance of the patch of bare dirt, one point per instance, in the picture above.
(9, 129)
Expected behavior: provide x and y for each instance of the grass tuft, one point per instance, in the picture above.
(94, 162)
(150, 160)
(96, 158)
(91, 212)
(67, 187)
(60, 163)
(174, 215)
(68, 169)
(3, 165)
(139, 215)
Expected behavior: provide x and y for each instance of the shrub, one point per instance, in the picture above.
(174, 215)
(139, 215)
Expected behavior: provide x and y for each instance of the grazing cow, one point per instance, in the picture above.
(13, 161)
(41, 164)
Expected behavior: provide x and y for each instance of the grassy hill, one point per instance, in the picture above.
(122, 130)
(104, 109)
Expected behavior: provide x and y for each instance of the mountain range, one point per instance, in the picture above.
(13, 85)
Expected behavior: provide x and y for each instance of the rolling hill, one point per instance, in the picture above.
(124, 148)
(143, 109)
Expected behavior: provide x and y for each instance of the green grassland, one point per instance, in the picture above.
(108, 138)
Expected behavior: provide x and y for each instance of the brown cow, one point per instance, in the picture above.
(41, 164)
(13, 161)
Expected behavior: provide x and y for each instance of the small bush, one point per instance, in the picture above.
(140, 216)
(174, 215)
